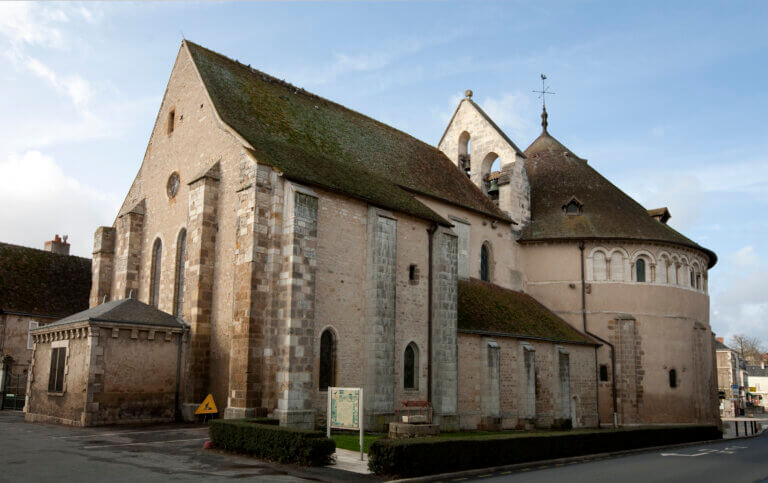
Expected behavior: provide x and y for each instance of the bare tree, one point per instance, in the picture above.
(749, 348)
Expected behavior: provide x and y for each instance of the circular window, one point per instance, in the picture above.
(173, 185)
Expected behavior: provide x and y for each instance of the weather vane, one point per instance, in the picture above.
(544, 91)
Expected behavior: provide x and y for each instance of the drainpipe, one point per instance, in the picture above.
(613, 350)
(2, 341)
(431, 234)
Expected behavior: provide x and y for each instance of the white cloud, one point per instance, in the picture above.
(746, 257)
(508, 112)
(31, 24)
(41, 200)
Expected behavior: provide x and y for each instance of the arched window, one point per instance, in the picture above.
(485, 269)
(181, 252)
(411, 367)
(327, 360)
(465, 147)
(661, 269)
(598, 266)
(640, 269)
(154, 283)
(672, 378)
(617, 267)
(693, 277)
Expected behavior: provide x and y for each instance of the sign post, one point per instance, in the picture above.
(345, 410)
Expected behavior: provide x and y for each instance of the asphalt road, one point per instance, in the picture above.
(31, 452)
(740, 460)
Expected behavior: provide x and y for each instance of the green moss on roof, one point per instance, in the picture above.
(485, 307)
(44, 283)
(556, 175)
(316, 141)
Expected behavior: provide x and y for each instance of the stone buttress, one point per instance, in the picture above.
(130, 227)
(444, 329)
(379, 360)
(103, 264)
(198, 285)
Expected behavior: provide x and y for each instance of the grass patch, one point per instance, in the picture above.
(351, 441)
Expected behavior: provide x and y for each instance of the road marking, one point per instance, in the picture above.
(92, 435)
(144, 442)
(708, 451)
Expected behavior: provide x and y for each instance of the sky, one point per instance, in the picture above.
(666, 99)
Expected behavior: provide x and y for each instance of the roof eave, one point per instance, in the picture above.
(527, 337)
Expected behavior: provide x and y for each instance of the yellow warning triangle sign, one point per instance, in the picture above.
(208, 406)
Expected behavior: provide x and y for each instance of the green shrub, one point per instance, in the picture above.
(425, 456)
(267, 441)
(267, 421)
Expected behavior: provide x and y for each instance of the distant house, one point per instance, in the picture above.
(731, 380)
(37, 287)
(758, 384)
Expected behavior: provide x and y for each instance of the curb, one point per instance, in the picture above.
(586, 457)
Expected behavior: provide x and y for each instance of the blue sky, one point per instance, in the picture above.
(666, 99)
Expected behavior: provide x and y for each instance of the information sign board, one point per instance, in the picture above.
(345, 410)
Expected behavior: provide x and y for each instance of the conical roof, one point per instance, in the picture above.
(557, 176)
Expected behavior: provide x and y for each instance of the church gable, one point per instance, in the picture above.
(488, 157)
(187, 138)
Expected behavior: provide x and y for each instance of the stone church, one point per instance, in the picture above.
(304, 245)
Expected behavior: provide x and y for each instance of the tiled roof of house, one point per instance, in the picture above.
(321, 143)
(487, 308)
(556, 175)
(124, 311)
(720, 346)
(757, 371)
(38, 282)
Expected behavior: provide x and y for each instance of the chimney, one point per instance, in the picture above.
(58, 245)
(720, 340)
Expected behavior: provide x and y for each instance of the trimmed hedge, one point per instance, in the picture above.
(425, 456)
(268, 441)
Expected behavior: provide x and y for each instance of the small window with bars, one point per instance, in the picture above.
(56, 377)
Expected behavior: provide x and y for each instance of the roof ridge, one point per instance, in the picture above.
(309, 94)
(336, 131)
(13, 245)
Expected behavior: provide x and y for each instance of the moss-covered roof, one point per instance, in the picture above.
(487, 308)
(556, 175)
(123, 311)
(38, 282)
(319, 142)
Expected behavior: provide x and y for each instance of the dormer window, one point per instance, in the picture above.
(573, 207)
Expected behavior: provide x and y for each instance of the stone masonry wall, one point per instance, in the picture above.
(381, 314)
(444, 326)
(519, 394)
(297, 328)
(201, 242)
(130, 227)
(102, 265)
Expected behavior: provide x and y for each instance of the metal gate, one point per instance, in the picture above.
(15, 392)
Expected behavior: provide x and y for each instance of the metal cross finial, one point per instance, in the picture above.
(544, 91)
(543, 96)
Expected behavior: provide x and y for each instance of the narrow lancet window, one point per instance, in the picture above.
(410, 367)
(327, 360)
(154, 283)
(181, 253)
